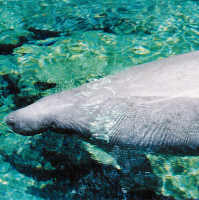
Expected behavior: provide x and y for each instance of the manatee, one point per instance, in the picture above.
(152, 107)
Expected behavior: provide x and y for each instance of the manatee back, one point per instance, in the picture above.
(176, 76)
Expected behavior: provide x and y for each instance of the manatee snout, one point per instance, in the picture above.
(25, 122)
(11, 121)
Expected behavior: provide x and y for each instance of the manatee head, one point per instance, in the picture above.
(27, 121)
(59, 112)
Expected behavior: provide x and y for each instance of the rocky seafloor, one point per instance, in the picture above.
(50, 45)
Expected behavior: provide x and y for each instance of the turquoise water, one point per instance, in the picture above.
(50, 45)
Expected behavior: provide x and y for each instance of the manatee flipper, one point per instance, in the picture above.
(100, 156)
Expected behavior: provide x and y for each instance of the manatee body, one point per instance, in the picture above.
(150, 107)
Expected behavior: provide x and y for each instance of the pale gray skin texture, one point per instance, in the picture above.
(152, 107)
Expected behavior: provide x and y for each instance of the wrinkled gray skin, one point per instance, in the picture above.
(152, 107)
